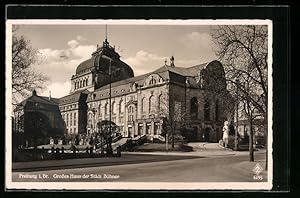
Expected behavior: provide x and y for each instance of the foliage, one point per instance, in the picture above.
(24, 77)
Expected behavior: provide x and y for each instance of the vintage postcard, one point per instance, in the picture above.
(139, 104)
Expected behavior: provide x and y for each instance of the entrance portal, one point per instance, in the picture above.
(206, 134)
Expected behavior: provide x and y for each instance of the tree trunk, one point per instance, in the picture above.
(266, 138)
(173, 135)
(251, 151)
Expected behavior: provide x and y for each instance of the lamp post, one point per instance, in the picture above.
(109, 74)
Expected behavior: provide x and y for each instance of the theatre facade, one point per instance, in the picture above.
(184, 98)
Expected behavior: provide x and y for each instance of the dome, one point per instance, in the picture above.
(87, 64)
(100, 61)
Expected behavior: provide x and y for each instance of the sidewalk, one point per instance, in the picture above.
(94, 162)
(200, 149)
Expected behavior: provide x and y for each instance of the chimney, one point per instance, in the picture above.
(49, 95)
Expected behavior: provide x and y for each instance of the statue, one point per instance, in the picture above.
(225, 134)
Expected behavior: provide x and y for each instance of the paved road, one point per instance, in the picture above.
(230, 168)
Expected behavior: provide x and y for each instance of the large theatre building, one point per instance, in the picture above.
(186, 98)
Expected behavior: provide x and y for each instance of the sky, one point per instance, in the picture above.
(61, 48)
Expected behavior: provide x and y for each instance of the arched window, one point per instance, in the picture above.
(113, 108)
(217, 111)
(194, 108)
(86, 82)
(206, 110)
(151, 103)
(75, 84)
(80, 83)
(159, 102)
(143, 105)
(121, 106)
(99, 110)
(106, 110)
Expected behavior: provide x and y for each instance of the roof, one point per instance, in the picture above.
(184, 71)
(162, 71)
(39, 99)
(73, 97)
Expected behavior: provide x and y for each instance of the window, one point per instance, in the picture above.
(113, 108)
(159, 102)
(156, 128)
(148, 129)
(71, 119)
(74, 119)
(151, 104)
(80, 83)
(67, 119)
(99, 111)
(140, 129)
(143, 105)
(130, 113)
(206, 110)
(121, 120)
(86, 82)
(121, 106)
(152, 81)
(106, 109)
(194, 108)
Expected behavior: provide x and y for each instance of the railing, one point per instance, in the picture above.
(159, 137)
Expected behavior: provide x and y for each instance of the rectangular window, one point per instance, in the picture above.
(140, 129)
(121, 120)
(75, 119)
(156, 128)
(148, 129)
(71, 119)
(67, 119)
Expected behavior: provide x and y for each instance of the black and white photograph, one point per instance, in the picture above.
(139, 104)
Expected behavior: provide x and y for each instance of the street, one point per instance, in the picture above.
(230, 168)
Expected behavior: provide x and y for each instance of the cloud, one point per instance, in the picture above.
(143, 62)
(73, 43)
(57, 89)
(80, 38)
(199, 44)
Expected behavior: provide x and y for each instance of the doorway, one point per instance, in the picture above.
(206, 134)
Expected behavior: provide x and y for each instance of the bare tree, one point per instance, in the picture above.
(24, 78)
(243, 50)
(173, 114)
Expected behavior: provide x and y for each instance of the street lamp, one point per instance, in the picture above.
(109, 73)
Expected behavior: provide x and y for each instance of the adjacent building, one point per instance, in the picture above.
(37, 118)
